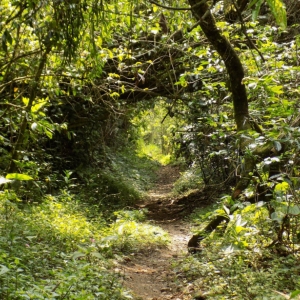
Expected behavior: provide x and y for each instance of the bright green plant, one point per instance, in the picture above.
(54, 250)
(190, 179)
(239, 261)
(128, 233)
(154, 129)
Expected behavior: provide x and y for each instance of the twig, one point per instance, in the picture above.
(178, 8)
(169, 7)
(245, 31)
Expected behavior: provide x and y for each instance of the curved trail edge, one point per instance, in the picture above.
(149, 274)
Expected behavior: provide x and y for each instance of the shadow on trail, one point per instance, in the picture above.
(149, 274)
(162, 206)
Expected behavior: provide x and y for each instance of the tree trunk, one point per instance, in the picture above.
(232, 62)
(239, 96)
(231, 13)
(236, 74)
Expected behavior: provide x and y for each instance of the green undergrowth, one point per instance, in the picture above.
(153, 131)
(136, 169)
(154, 152)
(54, 250)
(237, 261)
(121, 182)
(190, 179)
(201, 215)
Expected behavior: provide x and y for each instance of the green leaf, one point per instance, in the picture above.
(298, 40)
(8, 37)
(279, 12)
(230, 249)
(260, 204)
(277, 146)
(18, 176)
(3, 270)
(277, 89)
(294, 210)
(294, 294)
(226, 210)
(238, 229)
(78, 254)
(48, 133)
(25, 100)
(4, 46)
(252, 3)
(256, 10)
(278, 216)
(97, 254)
(39, 105)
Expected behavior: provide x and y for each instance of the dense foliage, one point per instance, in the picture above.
(91, 90)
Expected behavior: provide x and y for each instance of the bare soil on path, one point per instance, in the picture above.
(149, 274)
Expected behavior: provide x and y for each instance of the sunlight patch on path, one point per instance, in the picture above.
(149, 274)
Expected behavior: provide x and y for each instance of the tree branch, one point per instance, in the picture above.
(178, 8)
(245, 31)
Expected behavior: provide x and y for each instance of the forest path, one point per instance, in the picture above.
(149, 274)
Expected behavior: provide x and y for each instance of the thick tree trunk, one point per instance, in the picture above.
(236, 74)
(241, 115)
(232, 62)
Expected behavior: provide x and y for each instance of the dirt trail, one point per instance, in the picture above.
(149, 274)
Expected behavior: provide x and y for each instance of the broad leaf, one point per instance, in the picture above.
(36, 107)
(294, 210)
(3, 270)
(260, 203)
(18, 176)
(278, 216)
(226, 210)
(97, 254)
(277, 146)
(78, 254)
(256, 10)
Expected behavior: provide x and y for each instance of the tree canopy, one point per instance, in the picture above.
(82, 80)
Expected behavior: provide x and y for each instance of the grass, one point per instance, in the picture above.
(190, 179)
(53, 250)
(120, 183)
(153, 152)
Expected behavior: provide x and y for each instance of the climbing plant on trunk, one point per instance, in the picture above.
(205, 19)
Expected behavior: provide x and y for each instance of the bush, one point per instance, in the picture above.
(127, 233)
(237, 262)
(189, 180)
(53, 250)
